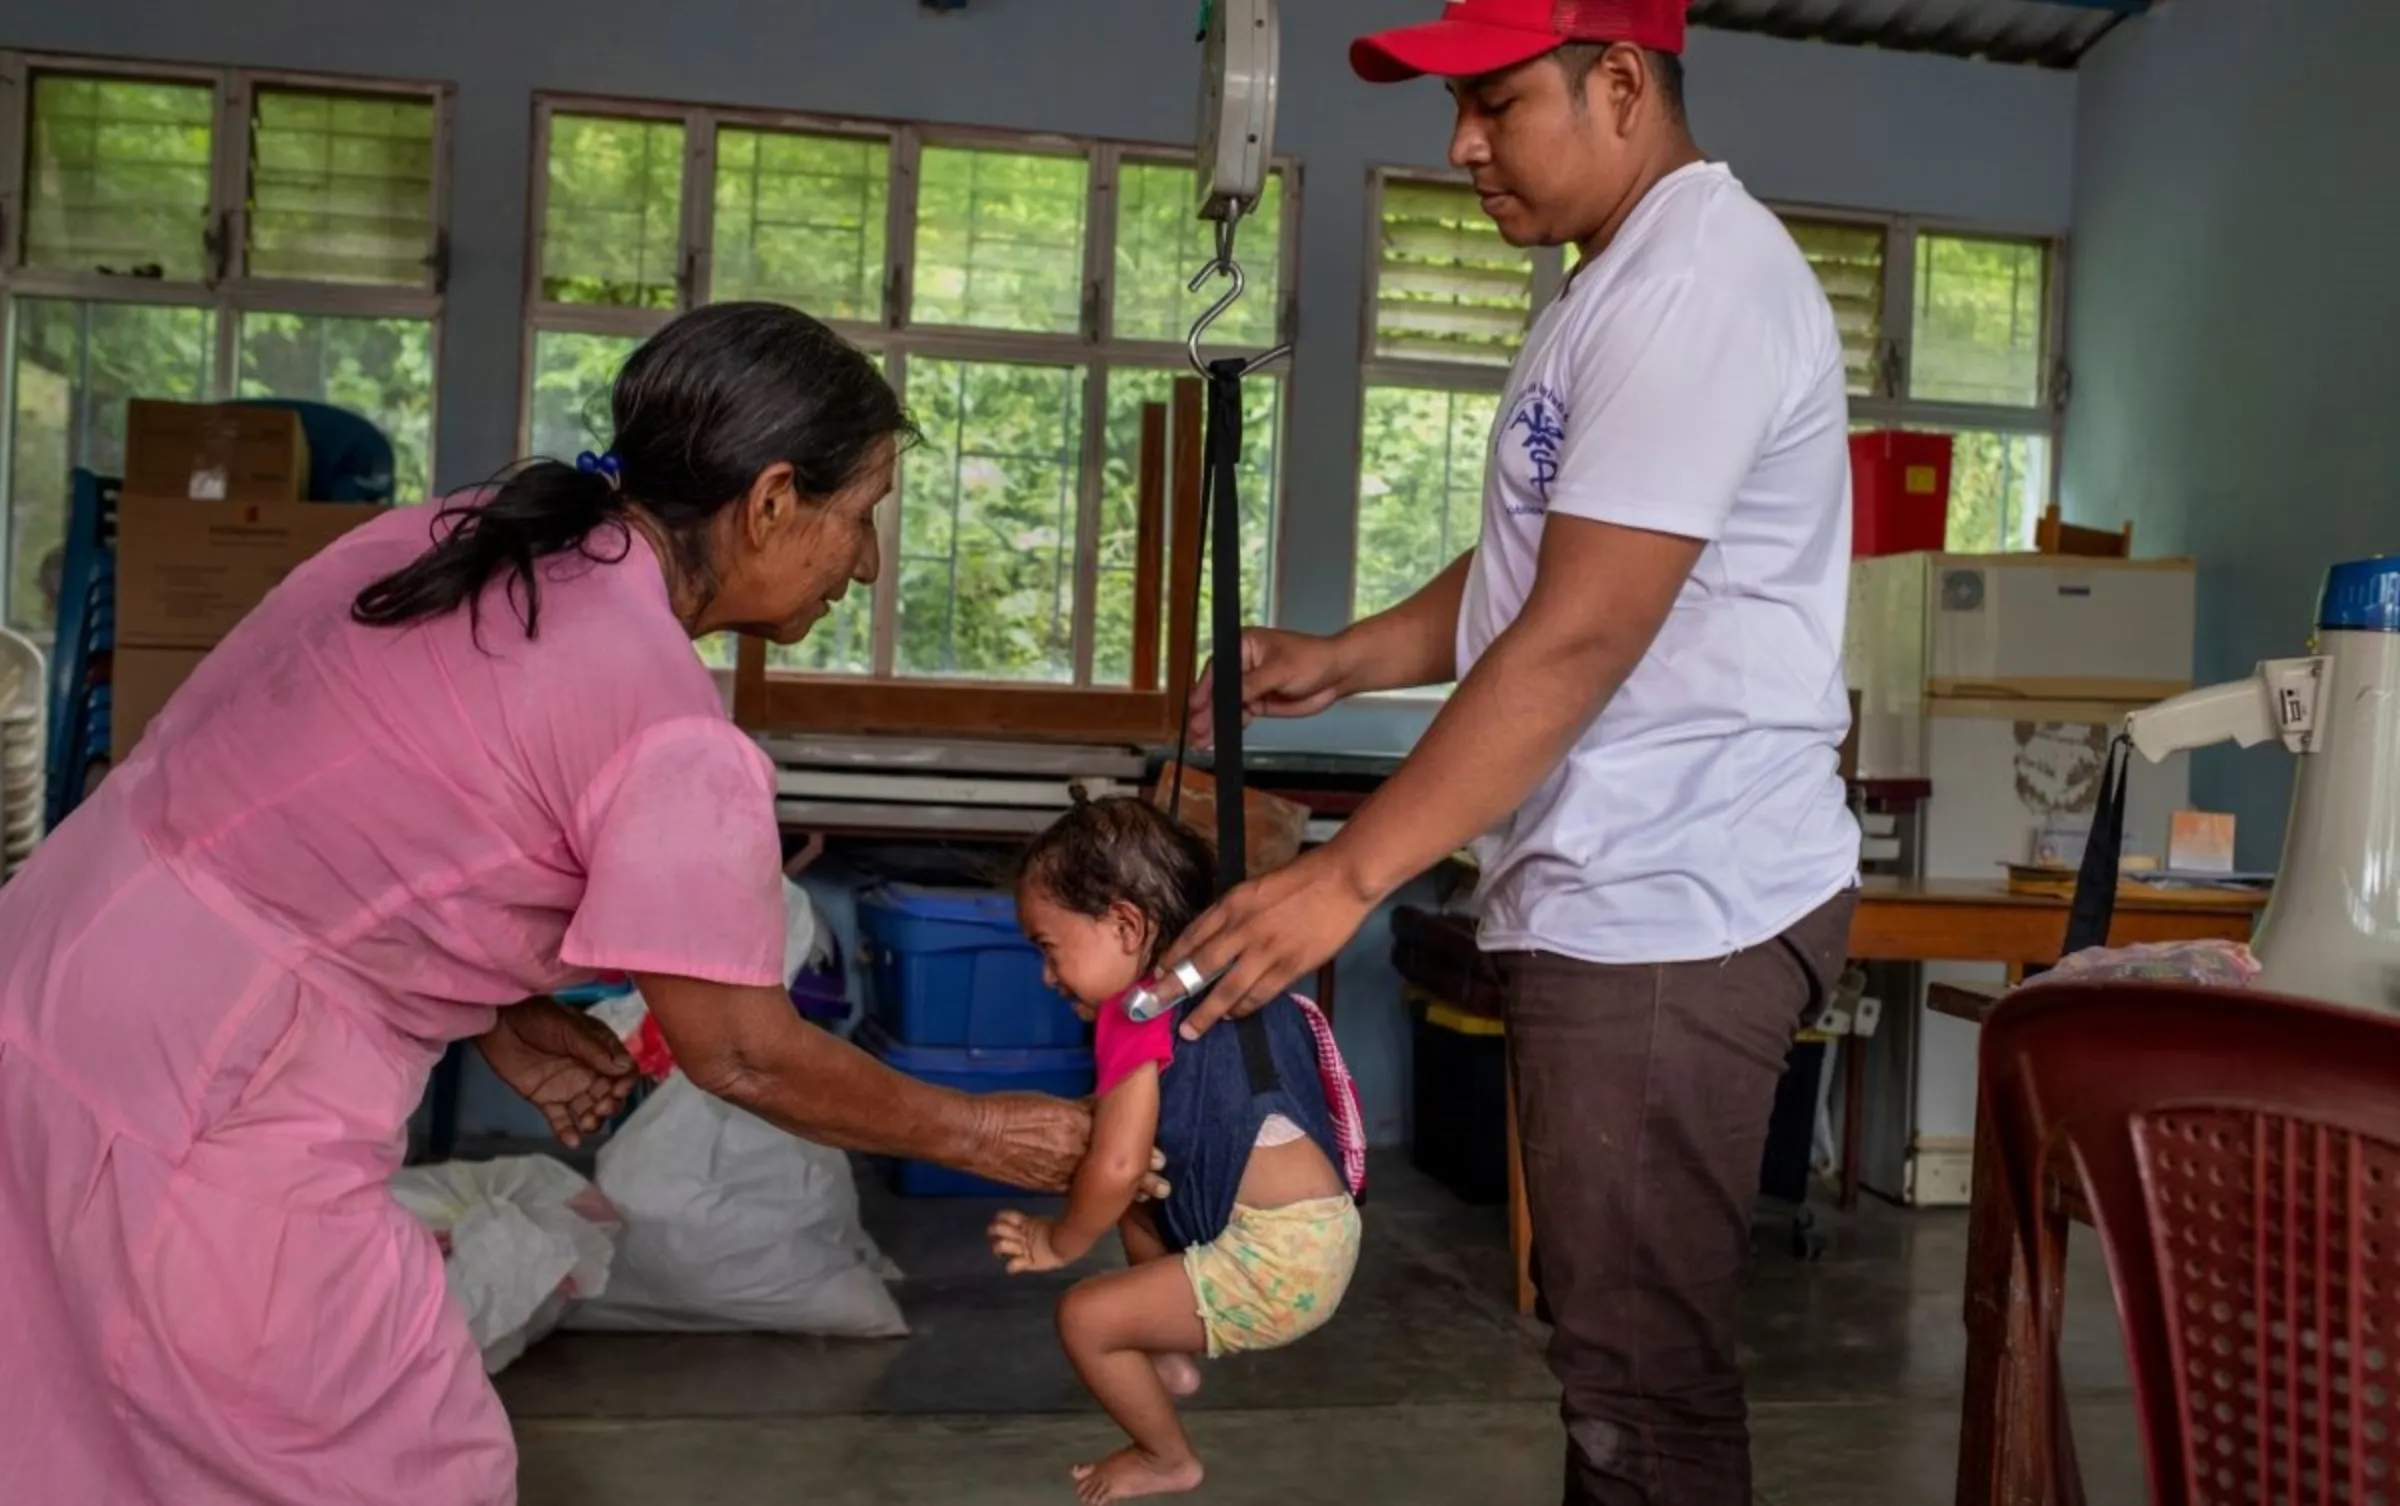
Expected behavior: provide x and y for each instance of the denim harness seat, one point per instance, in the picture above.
(1212, 1099)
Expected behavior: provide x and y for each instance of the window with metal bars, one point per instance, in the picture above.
(1025, 294)
(201, 234)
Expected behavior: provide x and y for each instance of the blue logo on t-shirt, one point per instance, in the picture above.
(1539, 426)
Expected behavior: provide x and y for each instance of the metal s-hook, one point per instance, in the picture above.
(1224, 265)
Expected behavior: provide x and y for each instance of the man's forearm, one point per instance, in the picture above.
(1413, 644)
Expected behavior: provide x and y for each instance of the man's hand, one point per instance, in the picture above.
(1022, 1241)
(562, 1062)
(1283, 674)
(1268, 934)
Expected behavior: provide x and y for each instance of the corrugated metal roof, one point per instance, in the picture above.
(2051, 33)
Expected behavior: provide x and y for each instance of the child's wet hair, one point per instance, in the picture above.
(1123, 850)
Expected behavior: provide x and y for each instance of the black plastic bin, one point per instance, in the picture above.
(1461, 1101)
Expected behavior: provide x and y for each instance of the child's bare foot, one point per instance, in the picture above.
(1178, 1373)
(1129, 1474)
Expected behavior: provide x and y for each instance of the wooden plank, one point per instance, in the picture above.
(749, 680)
(2010, 931)
(941, 708)
(2032, 688)
(1149, 544)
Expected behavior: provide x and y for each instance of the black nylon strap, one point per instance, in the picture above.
(1220, 481)
(2095, 904)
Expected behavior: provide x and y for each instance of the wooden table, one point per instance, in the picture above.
(1946, 920)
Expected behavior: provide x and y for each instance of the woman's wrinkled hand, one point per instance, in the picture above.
(1035, 1142)
(562, 1062)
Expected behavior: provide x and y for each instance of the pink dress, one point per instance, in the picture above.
(223, 984)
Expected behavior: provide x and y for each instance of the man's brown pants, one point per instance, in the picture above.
(1643, 1094)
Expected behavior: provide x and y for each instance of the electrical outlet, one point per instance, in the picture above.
(1866, 1015)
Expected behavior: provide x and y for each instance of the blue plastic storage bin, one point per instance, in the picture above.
(1059, 1073)
(951, 969)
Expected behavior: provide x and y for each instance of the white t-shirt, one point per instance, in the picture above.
(1688, 381)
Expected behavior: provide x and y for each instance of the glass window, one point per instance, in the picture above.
(380, 369)
(117, 176)
(1848, 261)
(1447, 287)
(341, 187)
(572, 375)
(1999, 484)
(800, 220)
(1420, 488)
(1120, 495)
(987, 521)
(1162, 241)
(72, 367)
(1979, 333)
(611, 232)
(1000, 239)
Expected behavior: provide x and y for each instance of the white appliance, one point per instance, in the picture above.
(2332, 928)
(1998, 680)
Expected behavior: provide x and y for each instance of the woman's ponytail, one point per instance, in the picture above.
(541, 508)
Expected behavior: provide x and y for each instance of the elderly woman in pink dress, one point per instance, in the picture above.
(455, 762)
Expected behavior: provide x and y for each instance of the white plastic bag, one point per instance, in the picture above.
(731, 1225)
(521, 1237)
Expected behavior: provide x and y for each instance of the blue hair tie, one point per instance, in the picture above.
(604, 465)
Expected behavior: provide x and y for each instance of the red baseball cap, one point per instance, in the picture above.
(1475, 37)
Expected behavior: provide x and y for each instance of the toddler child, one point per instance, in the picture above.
(1254, 1246)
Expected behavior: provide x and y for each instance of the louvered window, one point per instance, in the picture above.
(1447, 287)
(342, 187)
(201, 234)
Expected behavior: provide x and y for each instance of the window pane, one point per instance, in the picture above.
(72, 369)
(1848, 260)
(1420, 487)
(1262, 438)
(572, 375)
(1447, 287)
(1978, 334)
(987, 521)
(800, 220)
(380, 369)
(1999, 484)
(612, 232)
(1000, 240)
(1162, 241)
(341, 187)
(116, 175)
(844, 642)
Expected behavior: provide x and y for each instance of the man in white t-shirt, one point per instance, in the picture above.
(1644, 742)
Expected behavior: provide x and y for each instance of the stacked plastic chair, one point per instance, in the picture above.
(23, 813)
(87, 613)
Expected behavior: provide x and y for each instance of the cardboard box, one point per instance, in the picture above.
(140, 681)
(214, 452)
(187, 571)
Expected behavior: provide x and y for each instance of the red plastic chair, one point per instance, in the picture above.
(2240, 1153)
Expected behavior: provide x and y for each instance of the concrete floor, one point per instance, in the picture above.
(1426, 1388)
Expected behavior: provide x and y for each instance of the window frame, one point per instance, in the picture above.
(228, 292)
(1093, 346)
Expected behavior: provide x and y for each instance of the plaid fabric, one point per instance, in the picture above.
(1341, 1098)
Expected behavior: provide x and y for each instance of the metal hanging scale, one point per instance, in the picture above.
(1241, 45)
